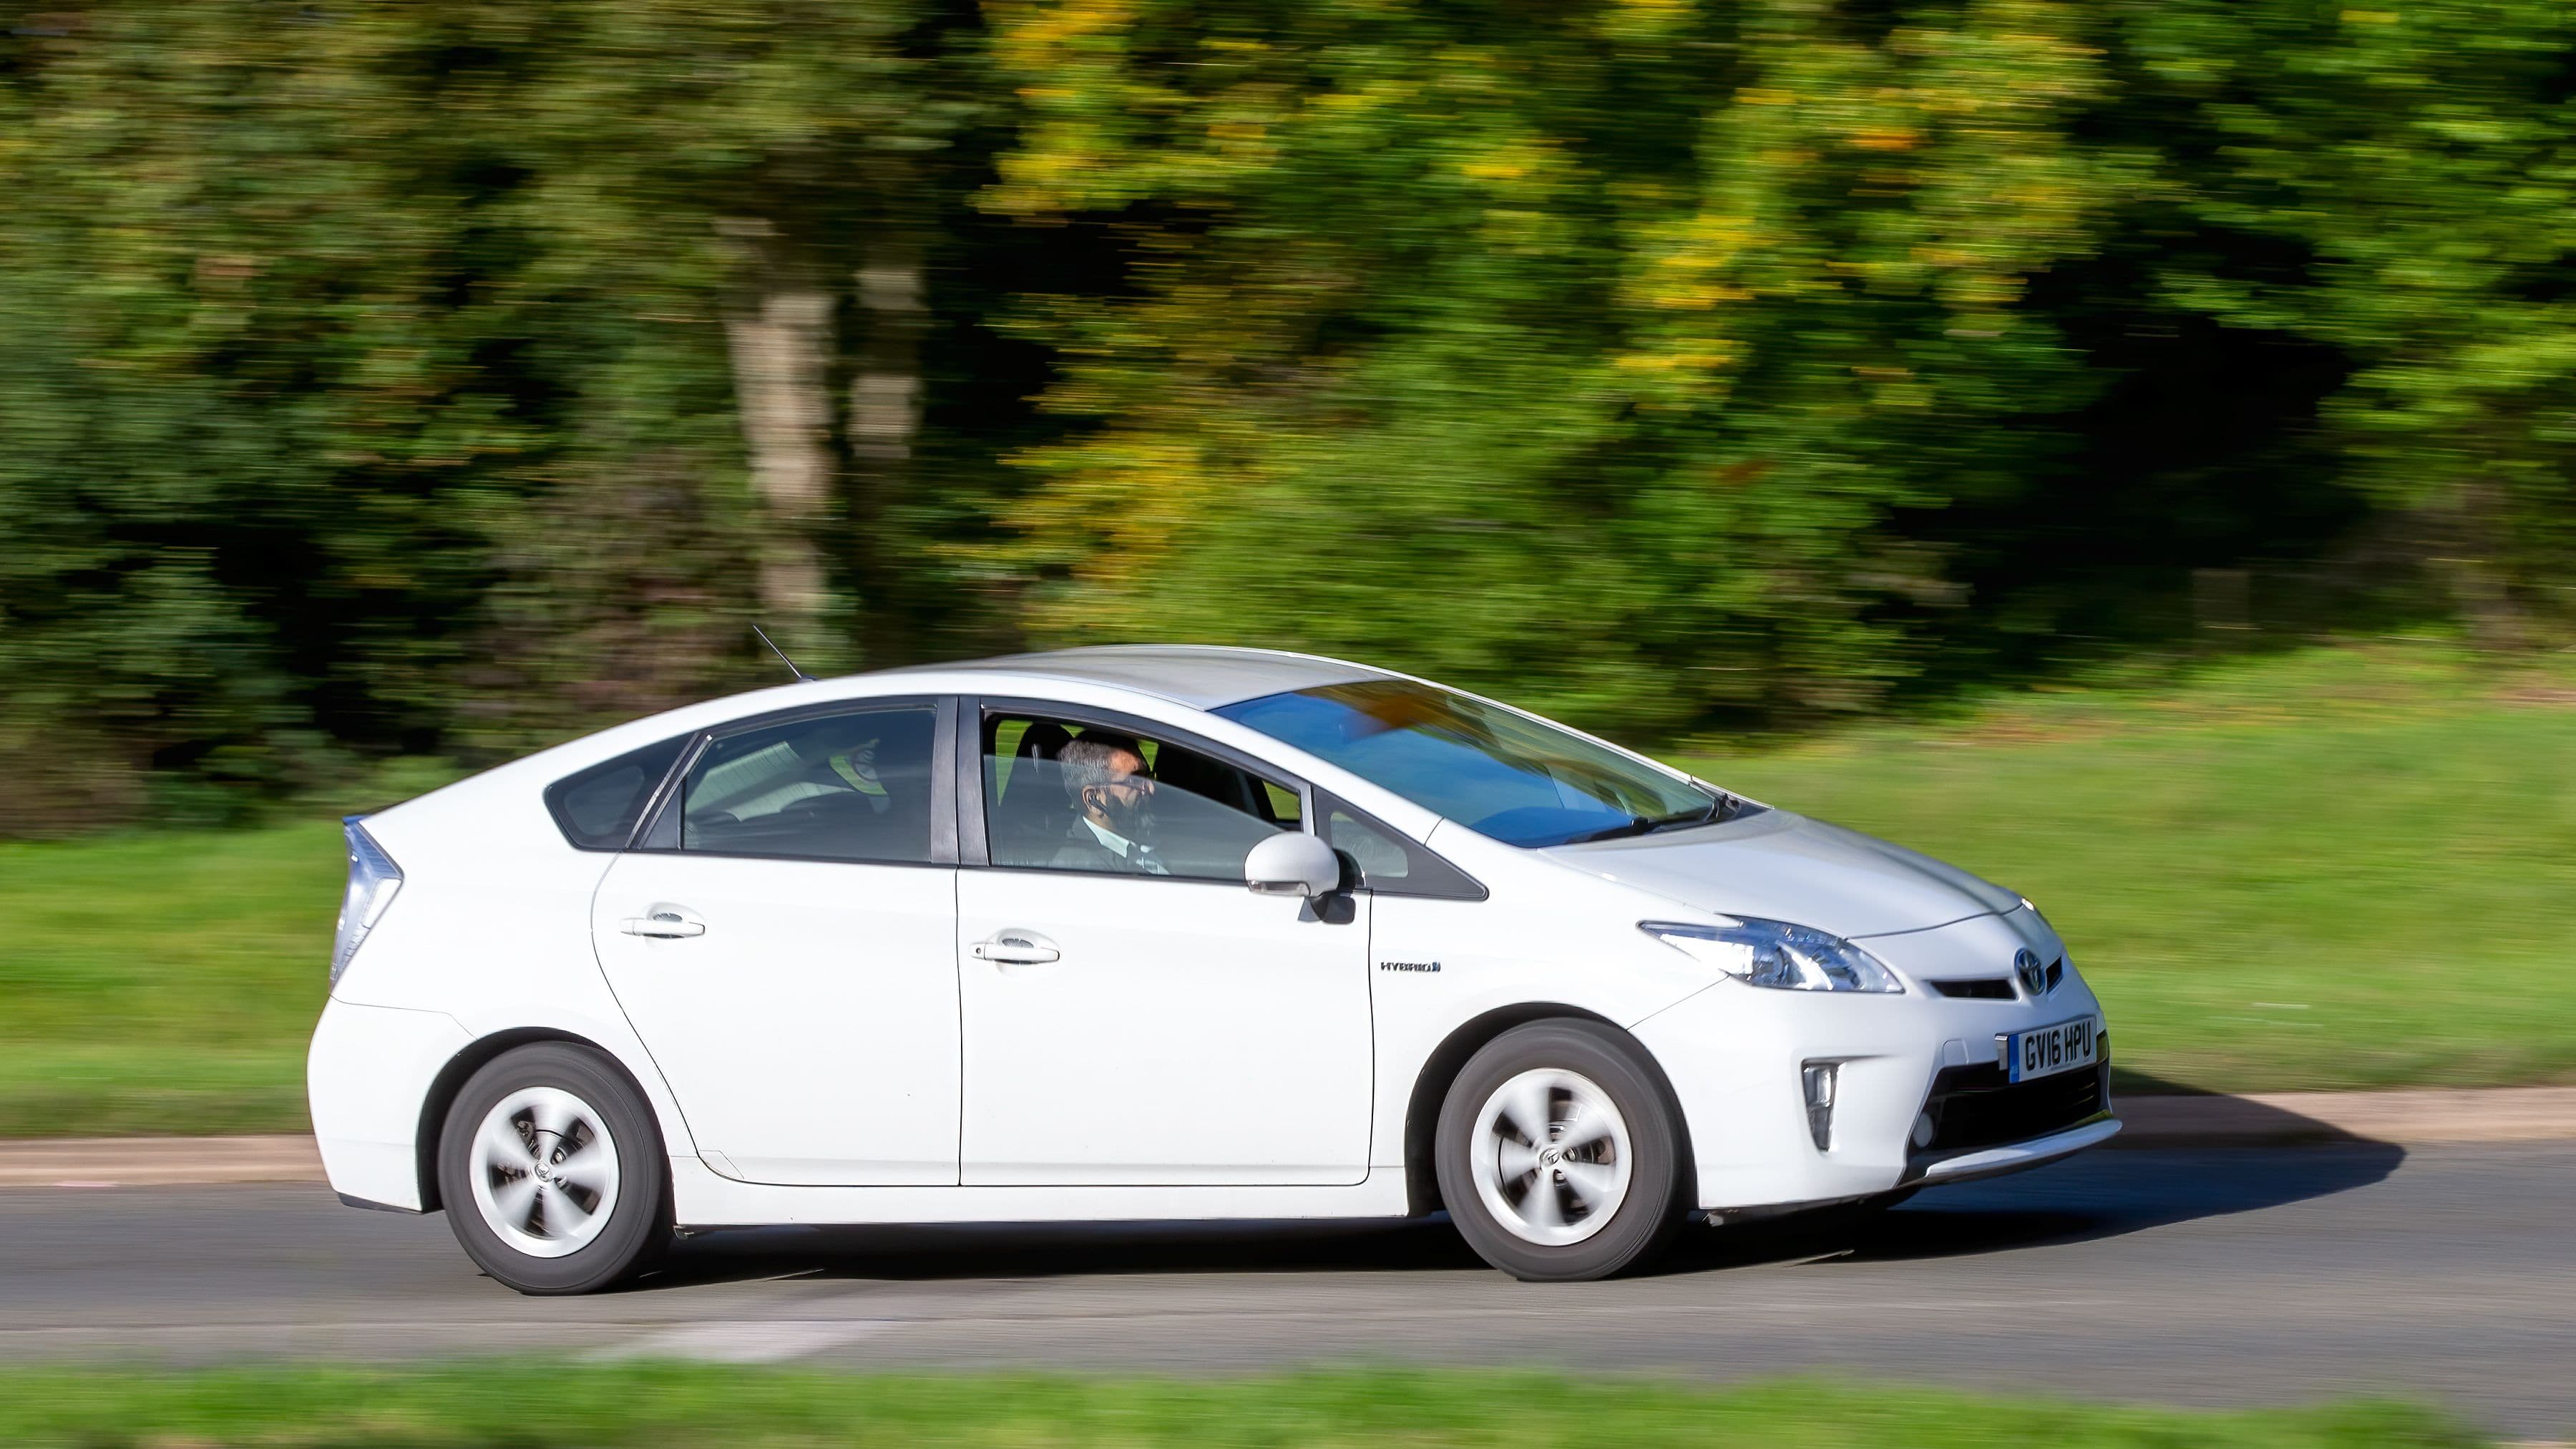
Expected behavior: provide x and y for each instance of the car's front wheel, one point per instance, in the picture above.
(1557, 1153)
(550, 1168)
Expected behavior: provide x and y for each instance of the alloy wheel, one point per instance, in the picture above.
(1551, 1157)
(544, 1172)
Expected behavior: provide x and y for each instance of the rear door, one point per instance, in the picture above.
(785, 946)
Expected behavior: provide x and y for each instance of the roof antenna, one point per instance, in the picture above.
(801, 676)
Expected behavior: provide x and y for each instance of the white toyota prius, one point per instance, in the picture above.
(1157, 934)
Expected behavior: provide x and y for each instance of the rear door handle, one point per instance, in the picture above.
(665, 925)
(1017, 948)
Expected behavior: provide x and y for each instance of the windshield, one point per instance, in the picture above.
(1517, 779)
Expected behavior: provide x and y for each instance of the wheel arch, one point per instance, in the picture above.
(1440, 1069)
(473, 1058)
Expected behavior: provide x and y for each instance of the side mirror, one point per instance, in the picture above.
(1292, 863)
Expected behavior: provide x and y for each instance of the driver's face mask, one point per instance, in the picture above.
(1128, 806)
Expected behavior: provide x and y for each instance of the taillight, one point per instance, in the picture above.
(373, 879)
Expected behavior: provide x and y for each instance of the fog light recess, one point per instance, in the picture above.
(1818, 1079)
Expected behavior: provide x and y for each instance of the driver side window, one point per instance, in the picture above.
(1061, 795)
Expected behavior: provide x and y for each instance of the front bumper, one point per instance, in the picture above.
(1975, 1109)
(1733, 1054)
(1996, 1161)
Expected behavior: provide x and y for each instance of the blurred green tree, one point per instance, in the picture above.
(1583, 347)
(262, 399)
(2397, 182)
(384, 378)
(769, 173)
(401, 377)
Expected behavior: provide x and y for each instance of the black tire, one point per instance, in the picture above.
(1652, 1204)
(639, 1218)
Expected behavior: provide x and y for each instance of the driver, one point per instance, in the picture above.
(1113, 806)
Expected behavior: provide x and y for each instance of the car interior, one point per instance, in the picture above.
(1208, 814)
(842, 787)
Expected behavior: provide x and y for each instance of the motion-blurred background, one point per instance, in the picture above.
(1790, 386)
(390, 378)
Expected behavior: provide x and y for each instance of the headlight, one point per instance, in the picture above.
(1775, 953)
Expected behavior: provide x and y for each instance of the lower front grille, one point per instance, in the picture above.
(1997, 988)
(1980, 1106)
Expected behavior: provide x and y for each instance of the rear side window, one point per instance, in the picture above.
(853, 786)
(597, 808)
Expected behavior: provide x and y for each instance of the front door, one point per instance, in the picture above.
(1132, 1014)
(791, 964)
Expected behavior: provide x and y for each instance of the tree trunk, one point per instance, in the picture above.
(2479, 570)
(885, 417)
(781, 344)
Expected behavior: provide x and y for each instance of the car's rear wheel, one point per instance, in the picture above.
(1558, 1155)
(551, 1171)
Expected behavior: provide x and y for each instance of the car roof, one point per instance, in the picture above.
(1202, 676)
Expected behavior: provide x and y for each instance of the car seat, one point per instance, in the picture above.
(1030, 815)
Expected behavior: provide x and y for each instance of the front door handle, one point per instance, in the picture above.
(1017, 948)
(663, 925)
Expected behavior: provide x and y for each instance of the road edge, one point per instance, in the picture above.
(2416, 1118)
(2274, 1119)
(158, 1161)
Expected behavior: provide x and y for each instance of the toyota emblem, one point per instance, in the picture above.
(2033, 973)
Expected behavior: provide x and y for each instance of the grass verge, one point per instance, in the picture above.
(164, 982)
(2342, 868)
(649, 1405)
(2345, 868)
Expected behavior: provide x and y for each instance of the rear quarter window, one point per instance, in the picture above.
(597, 808)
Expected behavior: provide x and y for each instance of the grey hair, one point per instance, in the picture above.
(1086, 762)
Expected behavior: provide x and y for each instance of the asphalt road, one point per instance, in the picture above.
(2224, 1277)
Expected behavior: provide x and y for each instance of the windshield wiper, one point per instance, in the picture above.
(1701, 816)
(1647, 825)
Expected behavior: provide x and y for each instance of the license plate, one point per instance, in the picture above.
(2044, 1051)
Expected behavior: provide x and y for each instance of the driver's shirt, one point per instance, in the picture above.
(1142, 857)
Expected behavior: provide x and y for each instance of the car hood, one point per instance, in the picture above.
(1786, 867)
